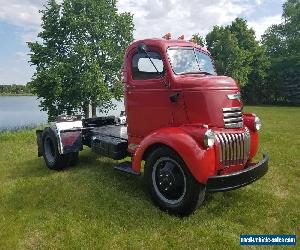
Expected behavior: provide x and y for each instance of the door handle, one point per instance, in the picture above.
(174, 97)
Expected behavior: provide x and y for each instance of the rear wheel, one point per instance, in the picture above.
(54, 160)
(172, 187)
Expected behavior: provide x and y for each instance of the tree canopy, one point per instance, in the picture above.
(239, 55)
(282, 43)
(231, 59)
(79, 55)
(268, 71)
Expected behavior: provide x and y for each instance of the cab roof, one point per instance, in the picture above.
(165, 44)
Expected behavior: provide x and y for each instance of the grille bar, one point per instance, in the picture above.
(231, 119)
(233, 109)
(233, 147)
(232, 114)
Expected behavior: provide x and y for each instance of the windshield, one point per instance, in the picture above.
(190, 61)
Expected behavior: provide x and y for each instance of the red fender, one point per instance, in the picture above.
(200, 161)
(254, 139)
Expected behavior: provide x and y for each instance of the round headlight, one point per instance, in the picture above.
(257, 123)
(209, 138)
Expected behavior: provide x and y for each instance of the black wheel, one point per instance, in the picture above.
(53, 159)
(172, 187)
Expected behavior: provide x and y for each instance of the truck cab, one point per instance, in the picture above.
(182, 119)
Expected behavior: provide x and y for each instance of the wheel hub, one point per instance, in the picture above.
(169, 180)
(166, 180)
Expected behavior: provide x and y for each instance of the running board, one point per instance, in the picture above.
(126, 167)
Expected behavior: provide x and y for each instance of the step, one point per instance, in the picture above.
(126, 167)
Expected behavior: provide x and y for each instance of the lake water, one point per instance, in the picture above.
(23, 111)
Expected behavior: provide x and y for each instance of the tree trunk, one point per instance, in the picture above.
(86, 109)
(94, 107)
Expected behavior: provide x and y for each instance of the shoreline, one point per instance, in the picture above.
(24, 127)
(27, 94)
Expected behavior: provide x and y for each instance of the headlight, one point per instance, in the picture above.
(257, 123)
(209, 138)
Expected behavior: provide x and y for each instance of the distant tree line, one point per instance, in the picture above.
(268, 71)
(15, 89)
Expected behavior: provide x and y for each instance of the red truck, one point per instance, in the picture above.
(182, 119)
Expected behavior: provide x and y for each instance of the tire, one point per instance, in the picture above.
(171, 185)
(54, 160)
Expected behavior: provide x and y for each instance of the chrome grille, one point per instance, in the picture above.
(233, 117)
(233, 147)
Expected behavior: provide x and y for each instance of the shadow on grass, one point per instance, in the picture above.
(93, 190)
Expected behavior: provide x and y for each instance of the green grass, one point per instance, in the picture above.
(92, 206)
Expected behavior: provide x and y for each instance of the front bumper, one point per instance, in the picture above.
(238, 179)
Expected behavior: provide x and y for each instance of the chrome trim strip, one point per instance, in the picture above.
(231, 149)
(245, 146)
(232, 109)
(229, 120)
(236, 148)
(223, 147)
(220, 148)
(226, 149)
(235, 114)
(234, 125)
(240, 148)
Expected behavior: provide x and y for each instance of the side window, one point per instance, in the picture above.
(143, 69)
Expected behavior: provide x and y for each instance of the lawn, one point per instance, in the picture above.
(92, 206)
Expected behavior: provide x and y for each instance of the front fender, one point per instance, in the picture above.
(200, 161)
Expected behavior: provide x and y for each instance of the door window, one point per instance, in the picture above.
(142, 67)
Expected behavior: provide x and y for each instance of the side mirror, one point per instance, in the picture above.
(142, 48)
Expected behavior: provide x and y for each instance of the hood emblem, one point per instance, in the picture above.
(236, 96)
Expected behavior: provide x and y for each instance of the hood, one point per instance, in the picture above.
(211, 99)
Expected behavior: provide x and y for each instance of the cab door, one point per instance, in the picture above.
(147, 98)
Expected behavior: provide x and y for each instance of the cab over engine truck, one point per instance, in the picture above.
(185, 121)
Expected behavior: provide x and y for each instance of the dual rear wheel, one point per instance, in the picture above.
(54, 160)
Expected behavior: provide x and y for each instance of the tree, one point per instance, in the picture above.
(198, 39)
(255, 89)
(230, 58)
(79, 55)
(239, 55)
(282, 44)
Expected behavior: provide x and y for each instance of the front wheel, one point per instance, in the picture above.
(172, 187)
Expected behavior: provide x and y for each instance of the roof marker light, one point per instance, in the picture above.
(167, 36)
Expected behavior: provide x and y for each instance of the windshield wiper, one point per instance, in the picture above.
(196, 72)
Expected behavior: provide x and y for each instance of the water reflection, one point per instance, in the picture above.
(23, 111)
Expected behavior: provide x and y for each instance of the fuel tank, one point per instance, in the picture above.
(211, 100)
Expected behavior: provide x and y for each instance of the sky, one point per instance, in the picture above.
(20, 22)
